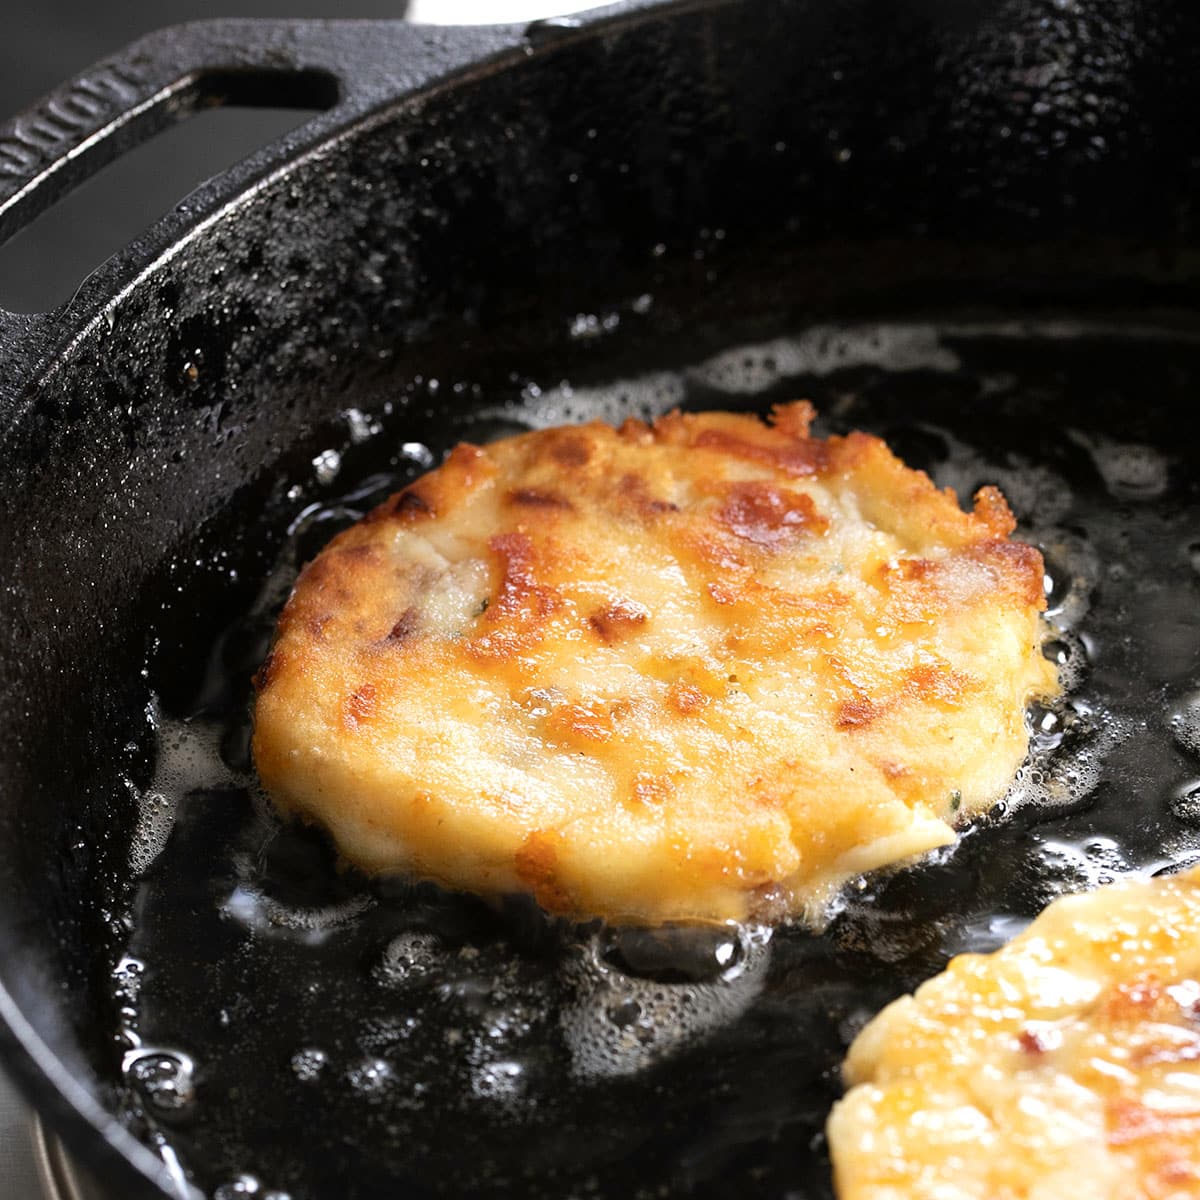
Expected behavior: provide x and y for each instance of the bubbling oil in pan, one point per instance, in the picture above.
(288, 1029)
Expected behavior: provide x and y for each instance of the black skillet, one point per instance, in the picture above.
(967, 225)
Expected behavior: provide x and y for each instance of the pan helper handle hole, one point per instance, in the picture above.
(226, 117)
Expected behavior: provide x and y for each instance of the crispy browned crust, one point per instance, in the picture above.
(599, 555)
(1070, 1057)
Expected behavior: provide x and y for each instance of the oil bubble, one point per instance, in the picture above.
(822, 350)
(1185, 803)
(127, 976)
(308, 1064)
(239, 1188)
(362, 427)
(259, 912)
(1185, 724)
(1082, 865)
(502, 1080)
(383, 1035)
(1072, 569)
(1063, 769)
(187, 760)
(586, 326)
(507, 1025)
(418, 453)
(1068, 653)
(646, 397)
(164, 1078)
(624, 1012)
(674, 953)
(410, 956)
(326, 466)
(1046, 729)
(370, 1076)
(1130, 471)
(617, 1024)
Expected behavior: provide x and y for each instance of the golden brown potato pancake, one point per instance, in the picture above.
(1067, 1064)
(699, 669)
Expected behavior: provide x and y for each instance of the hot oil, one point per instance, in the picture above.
(290, 1028)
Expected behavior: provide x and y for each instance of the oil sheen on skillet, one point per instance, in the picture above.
(285, 1028)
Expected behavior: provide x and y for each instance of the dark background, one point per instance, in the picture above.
(45, 42)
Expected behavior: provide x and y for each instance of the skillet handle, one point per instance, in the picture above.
(342, 67)
(163, 78)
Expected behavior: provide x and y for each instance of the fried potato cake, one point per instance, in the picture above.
(704, 668)
(1067, 1064)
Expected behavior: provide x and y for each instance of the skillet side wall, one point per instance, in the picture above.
(878, 155)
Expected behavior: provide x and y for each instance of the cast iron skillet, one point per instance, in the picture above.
(985, 209)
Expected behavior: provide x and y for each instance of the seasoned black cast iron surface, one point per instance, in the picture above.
(994, 201)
